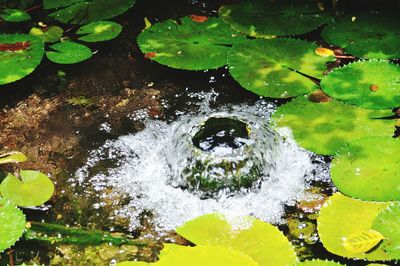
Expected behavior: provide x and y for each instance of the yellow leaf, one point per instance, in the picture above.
(362, 241)
(324, 52)
(147, 23)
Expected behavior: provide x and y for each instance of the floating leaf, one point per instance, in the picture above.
(370, 84)
(268, 18)
(33, 189)
(12, 157)
(387, 222)
(270, 67)
(99, 31)
(340, 217)
(247, 235)
(14, 15)
(20, 54)
(369, 35)
(318, 263)
(69, 53)
(324, 127)
(362, 171)
(51, 34)
(86, 11)
(12, 224)
(189, 45)
(324, 52)
(363, 241)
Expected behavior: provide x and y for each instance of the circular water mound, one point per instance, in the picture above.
(221, 154)
(154, 166)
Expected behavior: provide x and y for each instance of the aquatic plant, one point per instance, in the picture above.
(366, 34)
(12, 223)
(270, 18)
(14, 15)
(276, 68)
(373, 84)
(12, 157)
(68, 53)
(189, 43)
(99, 31)
(359, 170)
(48, 34)
(86, 11)
(324, 127)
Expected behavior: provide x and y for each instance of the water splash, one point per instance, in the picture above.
(144, 172)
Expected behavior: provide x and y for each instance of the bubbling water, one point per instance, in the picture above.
(152, 163)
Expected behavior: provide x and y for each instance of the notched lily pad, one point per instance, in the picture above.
(188, 44)
(12, 224)
(14, 15)
(68, 53)
(99, 31)
(370, 84)
(86, 11)
(366, 34)
(33, 189)
(363, 171)
(387, 222)
(270, 67)
(49, 35)
(341, 217)
(20, 54)
(269, 18)
(324, 127)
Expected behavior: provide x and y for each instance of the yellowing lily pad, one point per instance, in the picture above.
(269, 18)
(363, 241)
(341, 217)
(270, 67)
(370, 84)
(188, 44)
(369, 169)
(33, 189)
(324, 127)
(263, 242)
(387, 222)
(12, 224)
(12, 157)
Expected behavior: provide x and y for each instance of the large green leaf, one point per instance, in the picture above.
(269, 67)
(261, 241)
(370, 84)
(20, 54)
(188, 44)
(369, 169)
(68, 53)
(367, 35)
(12, 224)
(14, 15)
(33, 189)
(387, 222)
(324, 127)
(85, 11)
(267, 18)
(99, 31)
(341, 217)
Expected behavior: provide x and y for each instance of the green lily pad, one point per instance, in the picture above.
(52, 34)
(14, 15)
(387, 222)
(370, 84)
(189, 44)
(20, 54)
(324, 127)
(269, 67)
(12, 224)
(69, 53)
(268, 18)
(318, 263)
(13, 157)
(33, 189)
(341, 217)
(366, 35)
(247, 235)
(363, 171)
(99, 31)
(86, 11)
